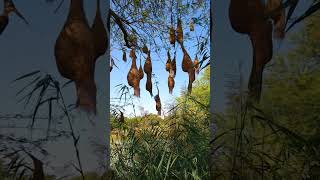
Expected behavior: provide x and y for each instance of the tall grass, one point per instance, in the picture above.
(174, 148)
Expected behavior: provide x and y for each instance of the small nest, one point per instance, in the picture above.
(158, 104)
(124, 55)
(171, 81)
(133, 76)
(145, 49)
(186, 61)
(148, 70)
(172, 36)
(191, 25)
(179, 31)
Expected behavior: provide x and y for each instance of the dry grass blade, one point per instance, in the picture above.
(17, 166)
(124, 90)
(29, 84)
(291, 9)
(281, 128)
(26, 75)
(314, 8)
(28, 96)
(67, 83)
(16, 163)
(59, 6)
(202, 61)
(50, 115)
(44, 85)
(203, 67)
(22, 173)
(13, 162)
(76, 168)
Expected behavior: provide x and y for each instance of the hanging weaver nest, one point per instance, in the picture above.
(191, 25)
(246, 18)
(171, 81)
(158, 103)
(148, 70)
(188, 67)
(172, 36)
(168, 63)
(187, 63)
(145, 49)
(133, 76)
(179, 31)
(133, 41)
(124, 55)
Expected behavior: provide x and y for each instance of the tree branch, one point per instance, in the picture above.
(119, 21)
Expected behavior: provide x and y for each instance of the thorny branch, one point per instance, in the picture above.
(119, 21)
